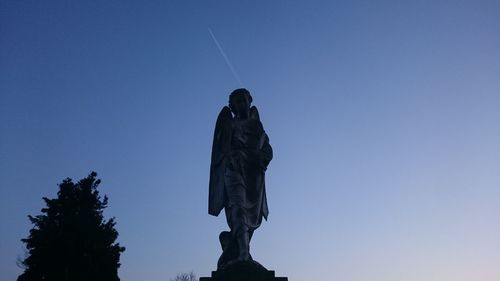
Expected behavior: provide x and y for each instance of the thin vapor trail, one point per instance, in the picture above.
(235, 74)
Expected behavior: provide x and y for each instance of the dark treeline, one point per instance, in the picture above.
(70, 239)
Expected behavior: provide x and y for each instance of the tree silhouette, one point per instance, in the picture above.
(71, 240)
(184, 277)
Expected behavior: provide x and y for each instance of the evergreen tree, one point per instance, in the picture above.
(70, 240)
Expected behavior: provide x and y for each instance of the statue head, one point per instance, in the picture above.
(240, 101)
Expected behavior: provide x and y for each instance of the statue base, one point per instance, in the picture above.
(244, 271)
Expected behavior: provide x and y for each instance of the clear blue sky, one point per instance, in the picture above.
(384, 117)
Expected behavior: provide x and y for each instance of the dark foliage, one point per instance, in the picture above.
(71, 240)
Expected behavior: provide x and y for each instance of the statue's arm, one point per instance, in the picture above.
(266, 152)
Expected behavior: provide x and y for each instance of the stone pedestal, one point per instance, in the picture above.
(243, 272)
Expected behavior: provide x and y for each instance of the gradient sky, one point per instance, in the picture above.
(384, 117)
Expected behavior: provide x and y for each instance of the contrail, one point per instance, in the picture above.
(225, 57)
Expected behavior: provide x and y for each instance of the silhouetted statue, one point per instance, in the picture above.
(240, 156)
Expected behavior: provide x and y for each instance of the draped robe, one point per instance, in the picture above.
(240, 155)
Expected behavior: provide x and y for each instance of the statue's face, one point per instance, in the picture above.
(240, 105)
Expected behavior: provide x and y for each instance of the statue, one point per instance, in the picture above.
(240, 156)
